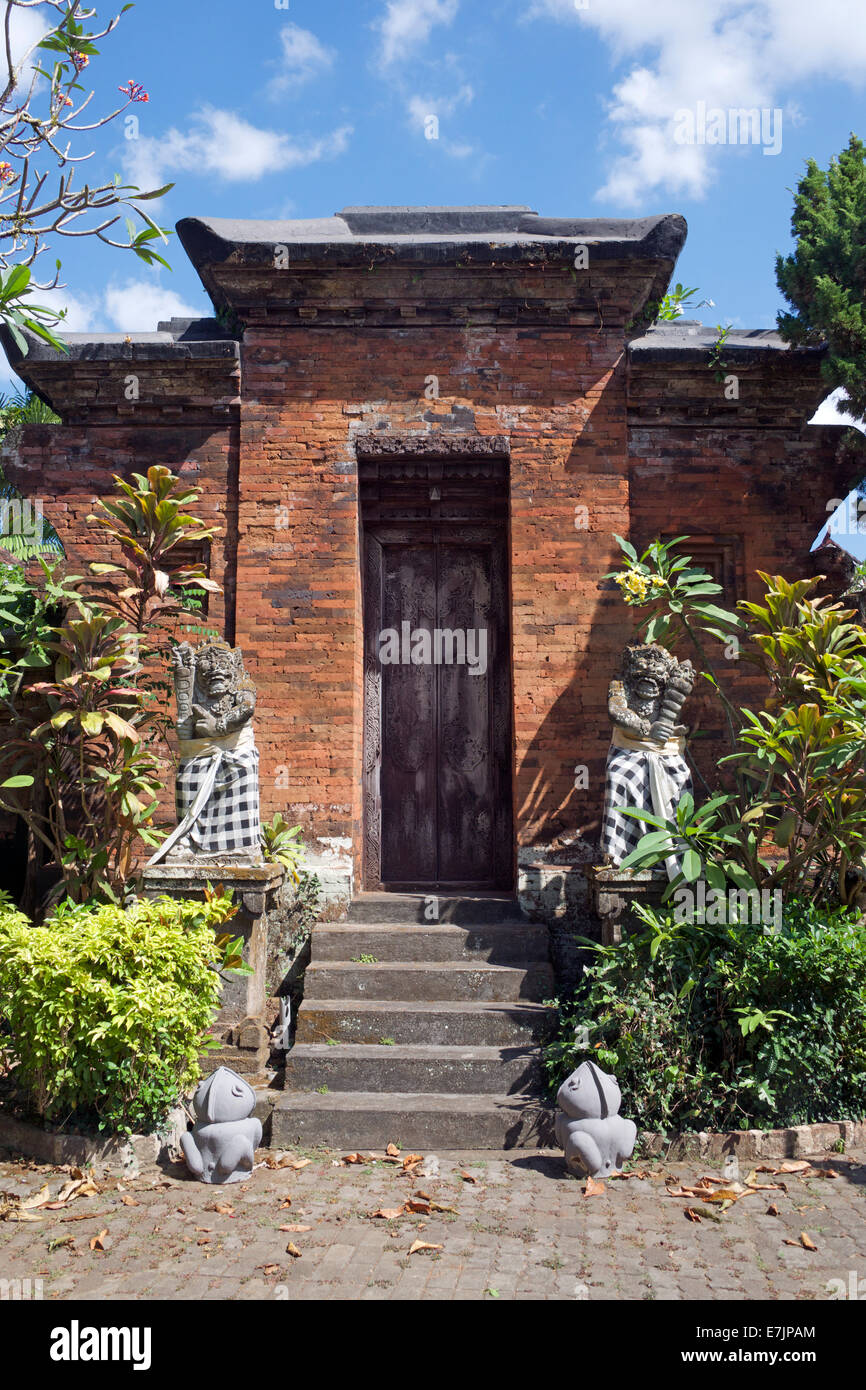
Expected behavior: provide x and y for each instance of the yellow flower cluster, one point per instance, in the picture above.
(636, 587)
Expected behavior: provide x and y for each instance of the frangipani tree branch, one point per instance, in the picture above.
(41, 111)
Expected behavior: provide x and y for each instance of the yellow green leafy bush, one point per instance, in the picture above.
(104, 1012)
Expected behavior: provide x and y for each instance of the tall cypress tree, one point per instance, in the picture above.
(825, 278)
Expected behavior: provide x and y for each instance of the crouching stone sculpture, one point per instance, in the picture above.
(221, 1145)
(596, 1139)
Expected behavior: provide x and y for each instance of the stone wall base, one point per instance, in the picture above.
(802, 1141)
(240, 1024)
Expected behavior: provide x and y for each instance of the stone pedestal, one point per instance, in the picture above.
(240, 1023)
(615, 892)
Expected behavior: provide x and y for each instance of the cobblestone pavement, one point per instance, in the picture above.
(518, 1227)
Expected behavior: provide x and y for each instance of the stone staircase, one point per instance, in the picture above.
(424, 1033)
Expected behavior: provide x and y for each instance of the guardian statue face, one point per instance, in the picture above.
(645, 672)
(217, 672)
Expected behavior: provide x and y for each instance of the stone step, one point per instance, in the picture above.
(419, 981)
(438, 1023)
(423, 1123)
(501, 943)
(465, 909)
(451, 1070)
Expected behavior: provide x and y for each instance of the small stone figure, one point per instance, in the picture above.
(596, 1139)
(217, 789)
(646, 768)
(221, 1145)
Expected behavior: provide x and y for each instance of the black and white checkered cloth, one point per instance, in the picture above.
(228, 823)
(627, 783)
(217, 800)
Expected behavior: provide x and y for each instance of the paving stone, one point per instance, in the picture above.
(534, 1237)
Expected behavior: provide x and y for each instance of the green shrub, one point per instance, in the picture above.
(729, 1026)
(104, 1012)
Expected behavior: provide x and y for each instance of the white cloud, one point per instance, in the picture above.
(725, 53)
(406, 25)
(224, 144)
(303, 58)
(139, 305)
(82, 310)
(421, 108)
(460, 151)
(26, 28)
(831, 412)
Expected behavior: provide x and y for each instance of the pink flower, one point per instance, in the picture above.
(80, 60)
(7, 173)
(135, 91)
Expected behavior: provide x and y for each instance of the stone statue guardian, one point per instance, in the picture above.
(646, 767)
(217, 788)
(596, 1139)
(222, 1144)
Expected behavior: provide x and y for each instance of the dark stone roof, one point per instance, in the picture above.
(427, 233)
(201, 339)
(688, 340)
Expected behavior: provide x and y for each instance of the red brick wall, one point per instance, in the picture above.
(307, 393)
(559, 395)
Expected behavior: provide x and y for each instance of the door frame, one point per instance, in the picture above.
(371, 603)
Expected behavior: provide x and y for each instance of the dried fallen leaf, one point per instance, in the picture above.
(286, 1202)
(292, 1249)
(420, 1208)
(299, 1163)
(422, 1196)
(354, 1158)
(392, 1151)
(223, 1208)
(423, 1245)
(467, 1177)
(389, 1213)
(410, 1160)
(434, 1206)
(825, 1173)
(691, 1215)
(59, 1241)
(772, 1209)
(17, 1214)
(39, 1199)
(807, 1242)
(801, 1166)
(295, 1228)
(593, 1188)
(129, 1201)
(97, 1242)
(269, 1269)
(203, 1240)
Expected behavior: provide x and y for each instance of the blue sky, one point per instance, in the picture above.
(574, 107)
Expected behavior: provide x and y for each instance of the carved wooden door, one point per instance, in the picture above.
(437, 703)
